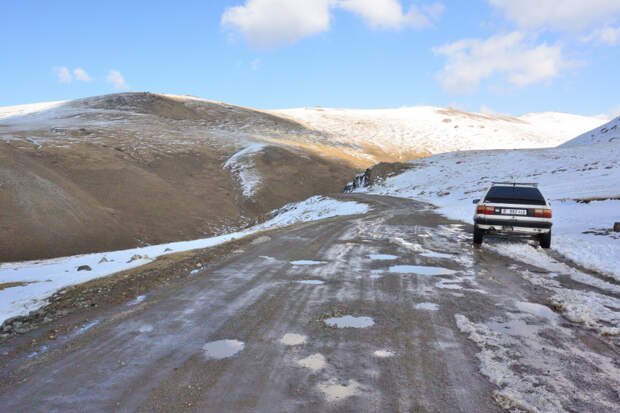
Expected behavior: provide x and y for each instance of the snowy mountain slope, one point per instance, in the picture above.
(609, 132)
(406, 133)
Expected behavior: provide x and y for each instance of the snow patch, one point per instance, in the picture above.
(241, 165)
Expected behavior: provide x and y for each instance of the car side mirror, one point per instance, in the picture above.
(475, 201)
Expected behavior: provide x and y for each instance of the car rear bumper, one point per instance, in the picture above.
(513, 226)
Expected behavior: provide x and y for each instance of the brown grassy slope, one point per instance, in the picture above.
(125, 170)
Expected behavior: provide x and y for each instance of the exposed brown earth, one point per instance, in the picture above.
(126, 170)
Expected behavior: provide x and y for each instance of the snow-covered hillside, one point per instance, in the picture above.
(609, 132)
(406, 132)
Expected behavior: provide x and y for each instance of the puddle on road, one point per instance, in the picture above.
(292, 339)
(312, 282)
(222, 349)
(427, 306)
(432, 254)
(349, 322)
(514, 327)
(382, 257)
(383, 354)
(537, 310)
(308, 262)
(314, 362)
(420, 270)
(333, 391)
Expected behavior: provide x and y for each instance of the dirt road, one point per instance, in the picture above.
(391, 311)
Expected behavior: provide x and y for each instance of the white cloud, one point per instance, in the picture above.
(388, 14)
(81, 75)
(63, 74)
(606, 35)
(116, 79)
(273, 23)
(570, 15)
(471, 60)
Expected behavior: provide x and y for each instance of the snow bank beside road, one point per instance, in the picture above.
(567, 176)
(41, 279)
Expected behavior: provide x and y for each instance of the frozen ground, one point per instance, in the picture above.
(27, 285)
(581, 180)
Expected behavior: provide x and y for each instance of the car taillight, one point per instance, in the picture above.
(542, 213)
(485, 210)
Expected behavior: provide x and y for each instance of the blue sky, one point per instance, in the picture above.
(507, 56)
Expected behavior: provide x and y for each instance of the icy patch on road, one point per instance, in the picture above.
(136, 300)
(536, 375)
(63, 272)
(432, 254)
(292, 339)
(420, 270)
(383, 354)
(382, 257)
(222, 349)
(308, 262)
(426, 306)
(314, 362)
(349, 322)
(334, 391)
(312, 282)
(147, 328)
(537, 310)
(595, 310)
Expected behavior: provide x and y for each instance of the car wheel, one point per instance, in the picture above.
(545, 240)
(477, 235)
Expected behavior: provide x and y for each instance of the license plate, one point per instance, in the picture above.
(514, 211)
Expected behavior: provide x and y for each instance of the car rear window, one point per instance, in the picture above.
(515, 195)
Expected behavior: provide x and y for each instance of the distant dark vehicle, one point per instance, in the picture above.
(514, 209)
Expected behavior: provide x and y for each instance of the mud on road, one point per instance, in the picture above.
(390, 311)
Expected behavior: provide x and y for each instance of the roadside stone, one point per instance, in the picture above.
(84, 268)
(104, 259)
(617, 227)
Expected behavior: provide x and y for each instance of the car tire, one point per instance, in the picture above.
(478, 234)
(545, 240)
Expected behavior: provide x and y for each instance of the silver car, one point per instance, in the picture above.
(515, 209)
